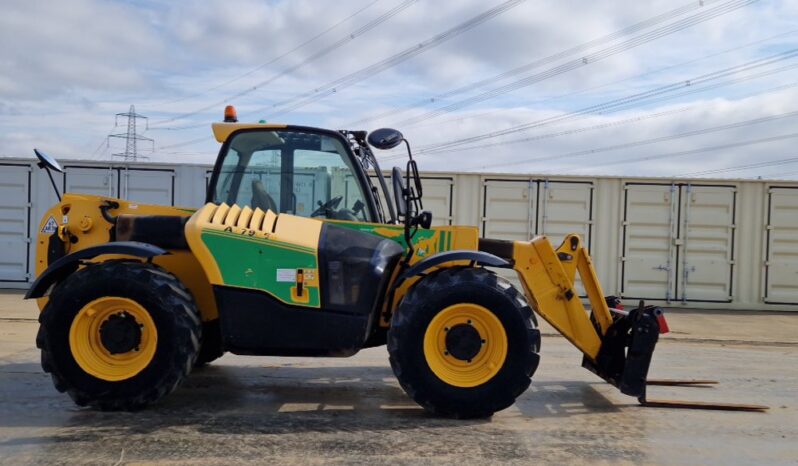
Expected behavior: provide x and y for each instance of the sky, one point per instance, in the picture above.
(622, 87)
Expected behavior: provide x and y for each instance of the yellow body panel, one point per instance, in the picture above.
(301, 231)
(281, 231)
(251, 224)
(221, 131)
(79, 218)
(464, 238)
(548, 280)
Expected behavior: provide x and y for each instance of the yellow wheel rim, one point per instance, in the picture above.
(86, 341)
(477, 366)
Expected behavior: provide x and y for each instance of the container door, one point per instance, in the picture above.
(649, 241)
(148, 186)
(565, 208)
(438, 194)
(14, 220)
(706, 243)
(781, 266)
(91, 180)
(509, 209)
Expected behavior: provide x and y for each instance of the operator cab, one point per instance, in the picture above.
(313, 172)
(290, 169)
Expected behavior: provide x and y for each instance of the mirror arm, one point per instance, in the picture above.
(47, 169)
(409, 152)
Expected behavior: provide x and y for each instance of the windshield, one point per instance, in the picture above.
(291, 171)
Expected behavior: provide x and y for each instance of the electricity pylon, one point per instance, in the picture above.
(131, 137)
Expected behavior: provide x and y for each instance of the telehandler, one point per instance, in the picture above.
(294, 255)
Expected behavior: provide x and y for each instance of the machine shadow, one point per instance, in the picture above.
(280, 399)
(223, 399)
(565, 399)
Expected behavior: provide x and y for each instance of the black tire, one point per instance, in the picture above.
(211, 347)
(414, 314)
(166, 300)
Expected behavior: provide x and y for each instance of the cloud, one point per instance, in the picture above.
(72, 65)
(553, 155)
(55, 48)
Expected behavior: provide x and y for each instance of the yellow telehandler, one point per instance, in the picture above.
(296, 254)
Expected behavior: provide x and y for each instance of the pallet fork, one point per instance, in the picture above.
(617, 345)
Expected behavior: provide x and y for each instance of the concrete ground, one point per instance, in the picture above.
(352, 411)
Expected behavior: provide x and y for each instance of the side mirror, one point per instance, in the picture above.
(47, 161)
(398, 191)
(385, 138)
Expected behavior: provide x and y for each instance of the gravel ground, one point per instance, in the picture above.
(352, 411)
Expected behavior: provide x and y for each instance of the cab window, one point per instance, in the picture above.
(289, 171)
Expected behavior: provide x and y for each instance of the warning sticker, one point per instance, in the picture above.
(51, 226)
(286, 275)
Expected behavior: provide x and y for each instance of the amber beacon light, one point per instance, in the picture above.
(230, 114)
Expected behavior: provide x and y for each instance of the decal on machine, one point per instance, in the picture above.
(51, 226)
(286, 275)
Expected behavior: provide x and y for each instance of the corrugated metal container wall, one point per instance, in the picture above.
(781, 260)
(722, 244)
(15, 217)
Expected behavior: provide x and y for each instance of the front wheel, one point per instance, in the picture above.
(119, 335)
(463, 343)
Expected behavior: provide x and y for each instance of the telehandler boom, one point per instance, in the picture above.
(298, 253)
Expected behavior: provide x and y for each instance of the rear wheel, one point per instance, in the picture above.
(119, 335)
(463, 343)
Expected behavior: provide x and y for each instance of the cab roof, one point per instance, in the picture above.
(222, 131)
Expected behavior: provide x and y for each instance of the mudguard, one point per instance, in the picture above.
(479, 257)
(66, 265)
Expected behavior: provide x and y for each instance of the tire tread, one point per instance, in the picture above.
(175, 297)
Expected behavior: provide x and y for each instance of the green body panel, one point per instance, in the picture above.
(254, 262)
(249, 262)
(428, 242)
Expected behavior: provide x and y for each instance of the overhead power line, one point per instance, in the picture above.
(421, 149)
(97, 153)
(275, 59)
(185, 143)
(610, 124)
(623, 102)
(371, 70)
(771, 163)
(622, 122)
(540, 62)
(568, 132)
(315, 56)
(648, 141)
(585, 60)
(332, 87)
(782, 175)
(683, 153)
(571, 94)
